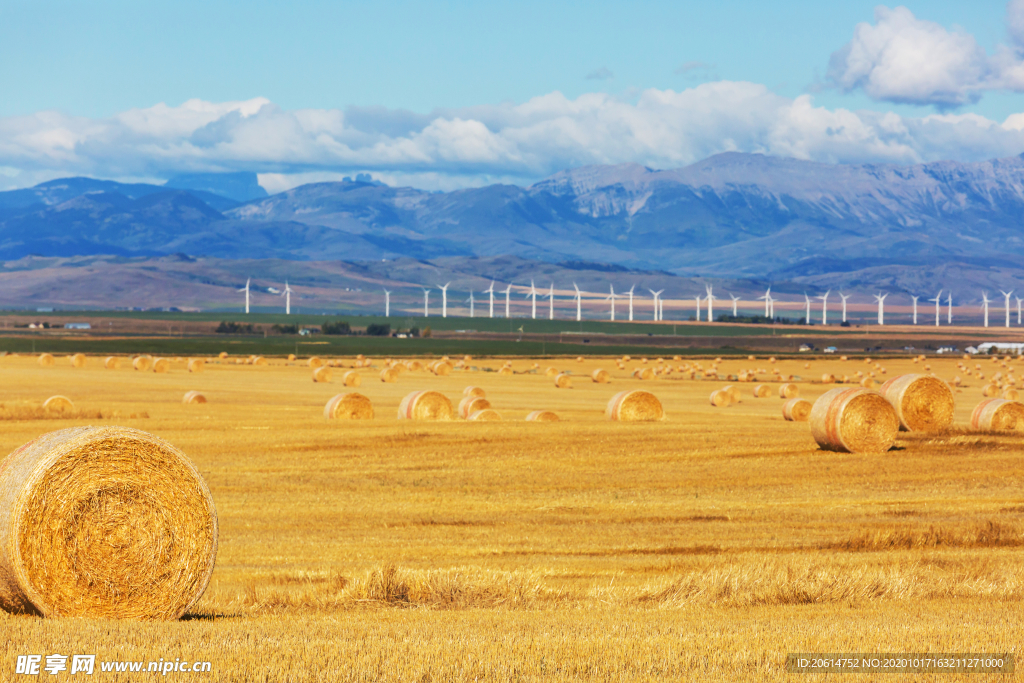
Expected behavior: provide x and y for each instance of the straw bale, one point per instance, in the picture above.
(854, 420)
(600, 376)
(762, 391)
(58, 404)
(733, 391)
(77, 360)
(720, 398)
(922, 403)
(990, 391)
(425, 405)
(551, 372)
(563, 381)
(193, 397)
(505, 370)
(388, 375)
(644, 361)
(196, 365)
(474, 391)
(789, 390)
(626, 359)
(314, 362)
(348, 406)
(796, 410)
(471, 404)
(867, 383)
(46, 360)
(161, 365)
(322, 374)
(222, 355)
(579, 359)
(112, 363)
(485, 415)
(413, 365)
(1011, 394)
(259, 360)
(677, 357)
(542, 416)
(643, 373)
(104, 522)
(998, 414)
(442, 368)
(634, 406)
(360, 356)
(828, 378)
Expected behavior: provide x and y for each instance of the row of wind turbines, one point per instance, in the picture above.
(658, 304)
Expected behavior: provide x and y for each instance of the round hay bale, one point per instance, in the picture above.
(551, 372)
(1011, 394)
(196, 365)
(634, 406)
(542, 416)
(789, 390)
(351, 379)
(990, 391)
(161, 365)
(486, 415)
(796, 410)
(349, 406)
(762, 391)
(77, 360)
(104, 522)
(867, 383)
(46, 360)
(579, 359)
(999, 415)
(413, 365)
(563, 381)
(112, 363)
(474, 391)
(222, 355)
(720, 398)
(442, 368)
(922, 403)
(505, 371)
(259, 360)
(600, 376)
(828, 378)
(388, 375)
(854, 420)
(733, 391)
(314, 362)
(425, 405)
(58, 404)
(643, 361)
(471, 404)
(193, 397)
(643, 373)
(291, 356)
(322, 375)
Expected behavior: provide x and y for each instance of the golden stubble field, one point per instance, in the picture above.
(703, 547)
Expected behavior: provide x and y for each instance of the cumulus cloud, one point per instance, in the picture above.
(601, 74)
(510, 142)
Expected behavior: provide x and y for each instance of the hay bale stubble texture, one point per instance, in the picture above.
(854, 420)
(998, 414)
(349, 406)
(425, 405)
(634, 406)
(104, 522)
(922, 403)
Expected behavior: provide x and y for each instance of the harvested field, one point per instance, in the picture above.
(704, 546)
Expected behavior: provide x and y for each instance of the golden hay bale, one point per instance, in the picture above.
(193, 397)
(222, 355)
(322, 375)
(77, 360)
(259, 360)
(442, 368)
(807, 366)
(112, 363)
(563, 381)
(349, 406)
(789, 390)
(867, 383)
(720, 398)
(486, 415)
(843, 358)
(542, 416)
(474, 391)
(505, 371)
(922, 403)
(471, 404)
(58, 404)
(161, 365)
(104, 522)
(360, 356)
(733, 391)
(1011, 394)
(399, 367)
(425, 405)
(388, 375)
(854, 420)
(634, 406)
(762, 391)
(998, 414)
(600, 376)
(551, 372)
(579, 359)
(291, 356)
(828, 378)
(644, 373)
(196, 365)
(990, 391)
(796, 410)
(771, 359)
(413, 365)
(142, 363)
(46, 360)
(644, 361)
(467, 358)
(314, 362)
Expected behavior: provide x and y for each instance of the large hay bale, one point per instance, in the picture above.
(77, 360)
(634, 406)
(867, 383)
(990, 391)
(789, 390)
(542, 416)
(193, 397)
(485, 415)
(388, 375)
(733, 391)
(442, 368)
(142, 363)
(720, 398)
(425, 405)
(58, 404)
(471, 404)
(999, 415)
(1011, 394)
(112, 363)
(762, 391)
(104, 522)
(474, 391)
(314, 362)
(351, 379)
(349, 406)
(161, 365)
(196, 365)
(563, 381)
(551, 372)
(322, 374)
(922, 403)
(854, 420)
(796, 410)
(46, 360)
(414, 365)
(600, 376)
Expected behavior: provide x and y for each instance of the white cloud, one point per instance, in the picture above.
(511, 143)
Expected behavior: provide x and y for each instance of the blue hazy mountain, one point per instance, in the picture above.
(241, 187)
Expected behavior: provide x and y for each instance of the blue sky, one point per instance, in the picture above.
(453, 94)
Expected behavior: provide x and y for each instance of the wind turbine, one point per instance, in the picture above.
(984, 305)
(1018, 308)
(426, 302)
(844, 297)
(697, 299)
(661, 305)
(734, 300)
(807, 318)
(915, 298)
(246, 290)
(612, 297)
(507, 290)
(949, 308)
(655, 295)
(824, 307)
(938, 306)
(880, 298)
(767, 302)
(287, 294)
(579, 303)
(711, 302)
(631, 303)
(1007, 295)
(532, 293)
(490, 290)
(551, 302)
(387, 304)
(444, 299)
(471, 304)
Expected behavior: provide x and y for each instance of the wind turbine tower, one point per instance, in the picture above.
(698, 300)
(611, 297)
(844, 297)
(711, 302)
(490, 290)
(915, 298)
(767, 302)
(471, 304)
(387, 304)
(426, 302)
(551, 302)
(246, 290)
(631, 303)
(824, 307)
(659, 304)
(880, 298)
(807, 316)
(532, 294)
(984, 306)
(938, 306)
(1018, 308)
(1007, 295)
(949, 308)
(444, 299)
(735, 299)
(579, 303)
(507, 291)
(287, 294)
(655, 295)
